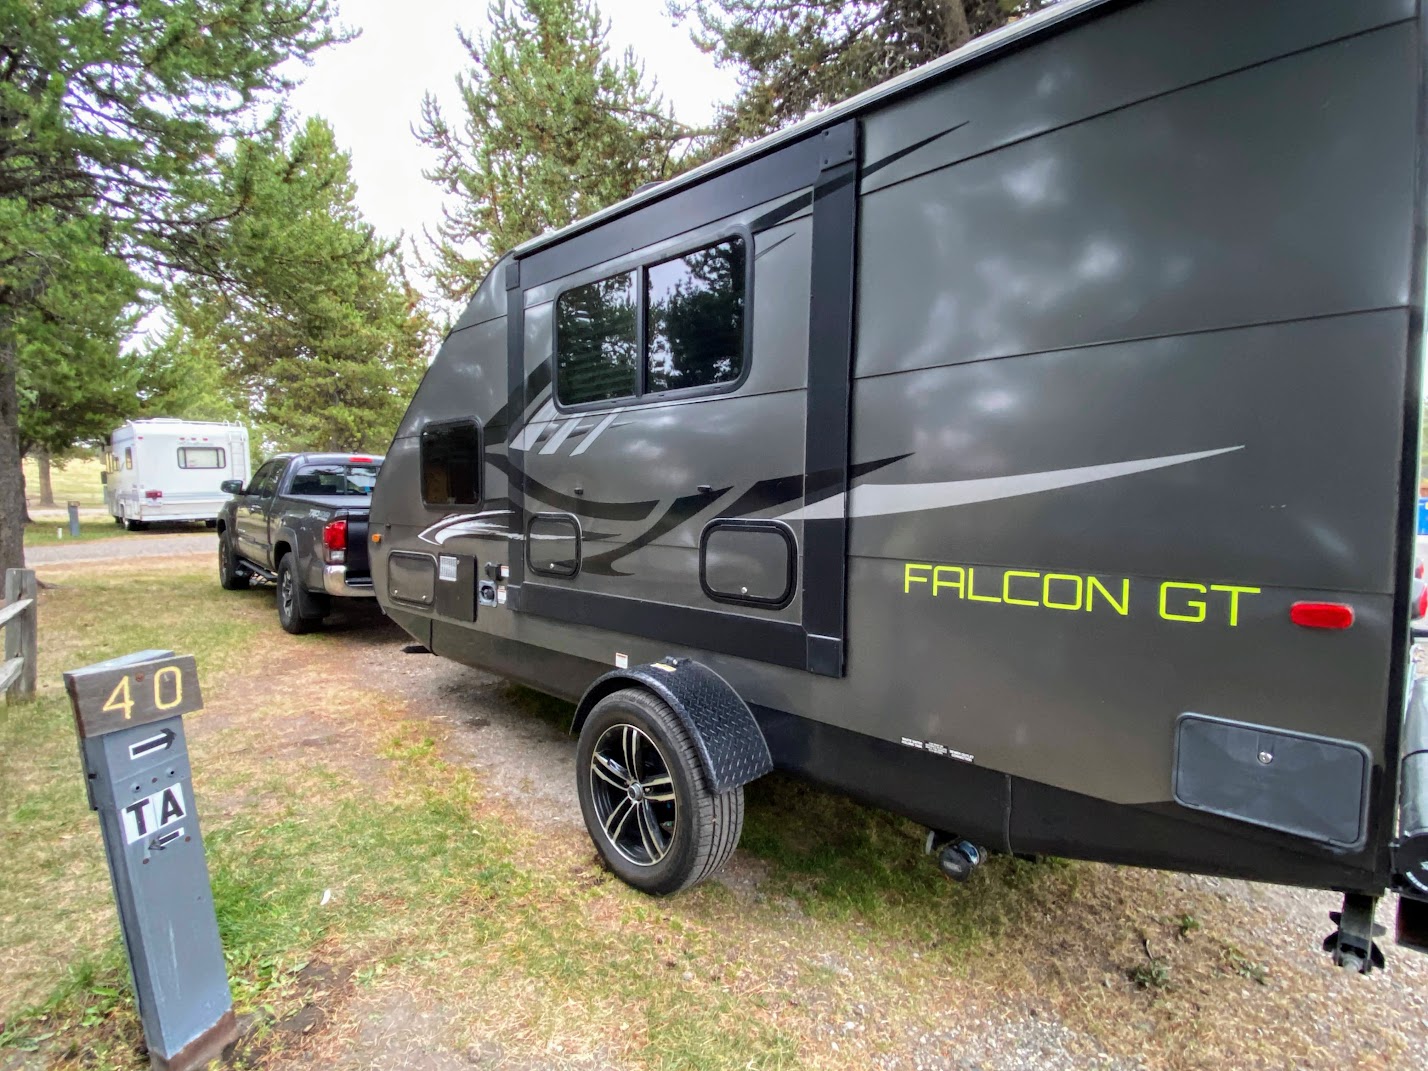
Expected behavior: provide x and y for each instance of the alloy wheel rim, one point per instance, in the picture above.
(633, 793)
(287, 594)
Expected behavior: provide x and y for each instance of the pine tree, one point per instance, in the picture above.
(797, 56)
(111, 112)
(317, 333)
(552, 127)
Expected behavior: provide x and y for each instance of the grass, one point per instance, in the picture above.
(357, 866)
(75, 480)
(43, 533)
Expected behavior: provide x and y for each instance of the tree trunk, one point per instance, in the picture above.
(12, 477)
(47, 490)
(955, 25)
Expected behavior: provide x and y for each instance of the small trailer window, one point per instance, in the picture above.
(694, 309)
(451, 464)
(128, 457)
(202, 457)
(596, 341)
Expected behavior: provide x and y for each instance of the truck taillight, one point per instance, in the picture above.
(153, 496)
(334, 541)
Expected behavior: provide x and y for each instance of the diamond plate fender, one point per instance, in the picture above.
(731, 748)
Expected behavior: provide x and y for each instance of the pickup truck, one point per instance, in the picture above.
(301, 524)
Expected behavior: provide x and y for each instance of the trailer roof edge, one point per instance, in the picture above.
(975, 50)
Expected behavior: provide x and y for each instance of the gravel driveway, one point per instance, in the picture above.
(152, 545)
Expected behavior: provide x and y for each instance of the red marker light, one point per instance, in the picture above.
(153, 494)
(1331, 615)
(359, 459)
(1418, 569)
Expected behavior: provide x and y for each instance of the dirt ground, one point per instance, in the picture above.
(529, 761)
(1068, 990)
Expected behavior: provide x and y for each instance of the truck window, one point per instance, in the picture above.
(265, 483)
(202, 457)
(596, 341)
(694, 327)
(335, 478)
(451, 464)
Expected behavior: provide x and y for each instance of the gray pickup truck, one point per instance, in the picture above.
(301, 523)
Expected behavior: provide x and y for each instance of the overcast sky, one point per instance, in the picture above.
(371, 89)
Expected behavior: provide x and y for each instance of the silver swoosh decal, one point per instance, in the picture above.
(882, 499)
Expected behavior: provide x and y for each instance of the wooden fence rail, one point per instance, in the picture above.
(18, 621)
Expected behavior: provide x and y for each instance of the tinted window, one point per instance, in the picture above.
(553, 544)
(596, 341)
(335, 478)
(202, 457)
(451, 464)
(128, 458)
(266, 481)
(695, 325)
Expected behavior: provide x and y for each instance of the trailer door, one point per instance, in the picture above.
(674, 424)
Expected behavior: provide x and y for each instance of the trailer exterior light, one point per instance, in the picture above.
(153, 495)
(1331, 615)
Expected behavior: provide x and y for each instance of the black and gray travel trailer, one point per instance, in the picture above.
(1028, 446)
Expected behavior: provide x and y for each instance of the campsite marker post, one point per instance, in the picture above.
(129, 715)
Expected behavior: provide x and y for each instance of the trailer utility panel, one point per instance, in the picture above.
(1028, 446)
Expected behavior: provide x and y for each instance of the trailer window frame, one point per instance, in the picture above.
(555, 517)
(439, 426)
(640, 265)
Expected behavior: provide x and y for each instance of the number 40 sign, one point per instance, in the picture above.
(128, 693)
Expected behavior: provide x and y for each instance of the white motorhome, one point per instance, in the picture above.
(163, 469)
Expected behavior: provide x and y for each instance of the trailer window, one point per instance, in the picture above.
(596, 341)
(202, 457)
(694, 327)
(451, 464)
(128, 457)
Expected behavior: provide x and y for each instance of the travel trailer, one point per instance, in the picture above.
(1028, 446)
(162, 469)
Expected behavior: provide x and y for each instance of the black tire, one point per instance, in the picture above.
(296, 610)
(675, 842)
(231, 574)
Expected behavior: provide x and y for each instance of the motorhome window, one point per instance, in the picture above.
(128, 457)
(694, 327)
(334, 478)
(596, 341)
(202, 457)
(451, 464)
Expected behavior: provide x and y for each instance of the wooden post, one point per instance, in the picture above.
(21, 634)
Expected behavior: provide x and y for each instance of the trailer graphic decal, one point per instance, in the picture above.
(883, 499)
(1173, 600)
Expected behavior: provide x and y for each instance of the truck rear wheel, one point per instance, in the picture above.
(231, 575)
(298, 611)
(646, 800)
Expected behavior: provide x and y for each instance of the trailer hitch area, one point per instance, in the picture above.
(956, 857)
(1352, 943)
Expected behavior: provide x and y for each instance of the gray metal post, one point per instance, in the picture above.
(129, 715)
(74, 519)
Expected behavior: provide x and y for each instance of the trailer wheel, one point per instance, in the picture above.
(646, 800)
(296, 611)
(231, 575)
